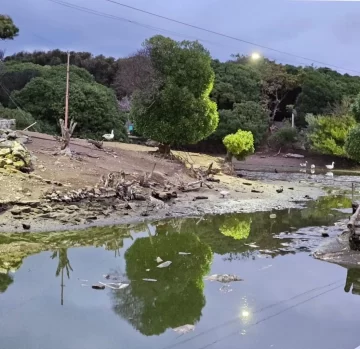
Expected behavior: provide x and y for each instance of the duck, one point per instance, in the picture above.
(304, 164)
(312, 166)
(109, 136)
(330, 167)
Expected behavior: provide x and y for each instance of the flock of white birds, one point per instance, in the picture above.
(312, 167)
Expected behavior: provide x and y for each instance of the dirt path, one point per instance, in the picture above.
(22, 207)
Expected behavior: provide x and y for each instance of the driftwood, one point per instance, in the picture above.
(353, 218)
(145, 178)
(200, 198)
(164, 196)
(97, 144)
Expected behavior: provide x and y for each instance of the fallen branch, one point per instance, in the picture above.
(97, 144)
(25, 129)
(277, 153)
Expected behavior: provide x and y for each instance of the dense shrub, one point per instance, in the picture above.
(327, 134)
(352, 144)
(22, 118)
(239, 144)
(284, 138)
(248, 116)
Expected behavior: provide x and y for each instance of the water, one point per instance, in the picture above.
(287, 298)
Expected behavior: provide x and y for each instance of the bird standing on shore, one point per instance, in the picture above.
(304, 164)
(330, 167)
(224, 193)
(109, 136)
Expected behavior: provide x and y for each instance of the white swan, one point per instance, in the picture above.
(224, 193)
(312, 166)
(330, 167)
(304, 164)
(109, 136)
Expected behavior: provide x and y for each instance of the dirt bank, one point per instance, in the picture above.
(23, 207)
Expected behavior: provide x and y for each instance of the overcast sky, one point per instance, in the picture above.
(323, 31)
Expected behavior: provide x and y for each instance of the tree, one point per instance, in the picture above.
(248, 116)
(239, 144)
(102, 68)
(235, 83)
(93, 106)
(327, 133)
(177, 297)
(276, 84)
(8, 30)
(319, 93)
(176, 110)
(352, 143)
(135, 73)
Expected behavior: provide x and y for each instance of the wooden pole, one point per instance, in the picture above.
(67, 91)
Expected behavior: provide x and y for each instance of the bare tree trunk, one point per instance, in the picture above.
(66, 134)
(164, 149)
(228, 157)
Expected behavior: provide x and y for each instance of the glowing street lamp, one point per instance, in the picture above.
(255, 56)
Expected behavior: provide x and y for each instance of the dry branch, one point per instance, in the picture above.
(98, 144)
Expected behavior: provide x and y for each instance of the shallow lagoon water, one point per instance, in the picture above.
(287, 298)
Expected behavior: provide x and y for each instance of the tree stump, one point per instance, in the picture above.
(66, 134)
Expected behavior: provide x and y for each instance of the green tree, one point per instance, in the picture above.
(239, 144)
(285, 137)
(352, 143)
(177, 297)
(236, 228)
(327, 134)
(319, 93)
(234, 83)
(93, 106)
(248, 116)
(15, 76)
(176, 109)
(8, 30)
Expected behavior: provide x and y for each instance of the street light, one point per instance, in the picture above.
(255, 56)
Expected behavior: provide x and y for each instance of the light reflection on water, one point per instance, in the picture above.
(287, 298)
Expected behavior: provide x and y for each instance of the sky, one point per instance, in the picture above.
(322, 31)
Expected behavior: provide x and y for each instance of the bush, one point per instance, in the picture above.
(239, 144)
(352, 144)
(327, 134)
(284, 138)
(248, 116)
(22, 118)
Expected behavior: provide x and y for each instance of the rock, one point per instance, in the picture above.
(5, 151)
(26, 226)
(17, 210)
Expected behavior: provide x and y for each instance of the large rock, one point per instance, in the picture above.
(13, 154)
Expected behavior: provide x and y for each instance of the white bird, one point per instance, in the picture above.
(109, 136)
(304, 164)
(330, 167)
(224, 193)
(312, 166)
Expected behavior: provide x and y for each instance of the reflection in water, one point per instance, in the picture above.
(5, 281)
(63, 264)
(236, 228)
(177, 297)
(353, 281)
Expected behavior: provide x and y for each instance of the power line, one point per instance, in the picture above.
(236, 319)
(123, 19)
(229, 36)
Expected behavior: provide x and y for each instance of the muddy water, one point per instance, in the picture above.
(287, 299)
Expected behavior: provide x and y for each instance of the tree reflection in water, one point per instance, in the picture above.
(353, 281)
(177, 297)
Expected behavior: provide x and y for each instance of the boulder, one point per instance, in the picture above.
(13, 154)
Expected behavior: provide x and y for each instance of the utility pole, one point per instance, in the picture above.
(67, 91)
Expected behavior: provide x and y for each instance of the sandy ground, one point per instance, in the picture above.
(89, 163)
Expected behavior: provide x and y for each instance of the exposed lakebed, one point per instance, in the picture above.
(287, 298)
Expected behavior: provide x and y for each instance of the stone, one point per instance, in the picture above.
(19, 164)
(26, 226)
(17, 210)
(5, 151)
(19, 151)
